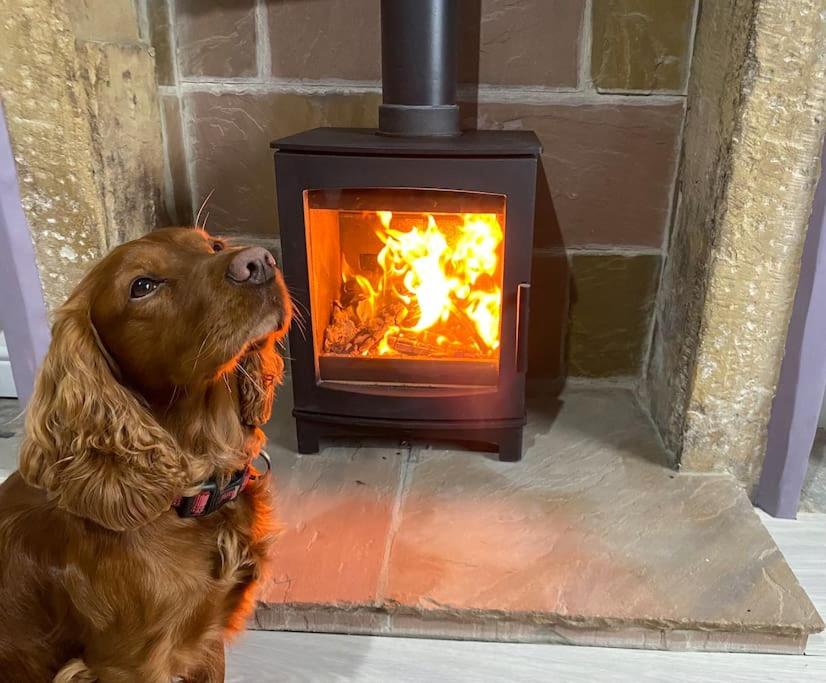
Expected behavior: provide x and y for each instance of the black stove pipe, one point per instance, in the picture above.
(418, 73)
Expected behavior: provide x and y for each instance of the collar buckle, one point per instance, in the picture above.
(211, 497)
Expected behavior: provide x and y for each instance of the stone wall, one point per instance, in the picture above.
(82, 111)
(601, 81)
(756, 99)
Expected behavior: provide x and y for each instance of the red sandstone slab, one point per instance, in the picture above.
(609, 168)
(231, 134)
(216, 38)
(325, 39)
(531, 42)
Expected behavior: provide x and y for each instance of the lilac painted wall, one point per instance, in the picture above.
(800, 389)
(22, 309)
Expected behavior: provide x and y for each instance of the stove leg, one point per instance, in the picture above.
(510, 445)
(307, 436)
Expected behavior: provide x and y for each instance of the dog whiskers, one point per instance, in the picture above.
(198, 215)
(198, 355)
(300, 314)
(301, 326)
(299, 305)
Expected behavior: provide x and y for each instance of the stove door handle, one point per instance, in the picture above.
(523, 307)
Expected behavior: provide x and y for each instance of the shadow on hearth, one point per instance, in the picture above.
(551, 276)
(551, 294)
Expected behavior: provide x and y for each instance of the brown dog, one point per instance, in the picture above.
(162, 364)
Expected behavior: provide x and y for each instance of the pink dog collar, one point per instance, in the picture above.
(212, 497)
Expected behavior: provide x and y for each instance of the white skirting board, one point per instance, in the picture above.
(7, 389)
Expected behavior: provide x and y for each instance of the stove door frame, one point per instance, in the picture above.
(414, 409)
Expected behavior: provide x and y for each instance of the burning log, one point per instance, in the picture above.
(366, 339)
(351, 294)
(423, 345)
(346, 333)
(414, 346)
(354, 329)
(340, 331)
(469, 328)
(389, 316)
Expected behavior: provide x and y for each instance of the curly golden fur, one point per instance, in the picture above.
(138, 400)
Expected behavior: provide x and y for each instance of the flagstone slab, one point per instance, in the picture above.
(334, 510)
(591, 540)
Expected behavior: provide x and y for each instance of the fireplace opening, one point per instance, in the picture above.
(406, 285)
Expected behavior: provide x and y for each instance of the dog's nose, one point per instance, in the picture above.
(252, 266)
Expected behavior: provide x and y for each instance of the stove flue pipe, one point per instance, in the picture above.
(419, 56)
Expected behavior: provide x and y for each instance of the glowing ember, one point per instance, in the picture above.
(434, 290)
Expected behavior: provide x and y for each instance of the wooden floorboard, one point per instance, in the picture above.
(261, 657)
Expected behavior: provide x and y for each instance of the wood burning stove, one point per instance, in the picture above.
(410, 249)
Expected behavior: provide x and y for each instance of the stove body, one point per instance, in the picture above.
(408, 251)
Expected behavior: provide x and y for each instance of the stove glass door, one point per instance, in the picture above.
(405, 285)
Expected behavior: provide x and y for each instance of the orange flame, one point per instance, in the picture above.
(449, 281)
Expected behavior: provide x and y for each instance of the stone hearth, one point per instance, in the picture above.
(590, 540)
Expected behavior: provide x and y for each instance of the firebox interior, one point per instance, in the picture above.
(406, 285)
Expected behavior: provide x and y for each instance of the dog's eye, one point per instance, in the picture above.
(142, 287)
(217, 246)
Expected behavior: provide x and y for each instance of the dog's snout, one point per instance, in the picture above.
(251, 266)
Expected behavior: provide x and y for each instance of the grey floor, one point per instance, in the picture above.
(813, 497)
(11, 428)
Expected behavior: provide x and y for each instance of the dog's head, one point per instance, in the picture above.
(168, 315)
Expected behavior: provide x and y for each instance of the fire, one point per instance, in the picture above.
(435, 287)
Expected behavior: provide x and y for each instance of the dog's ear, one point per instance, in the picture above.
(89, 441)
(259, 371)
